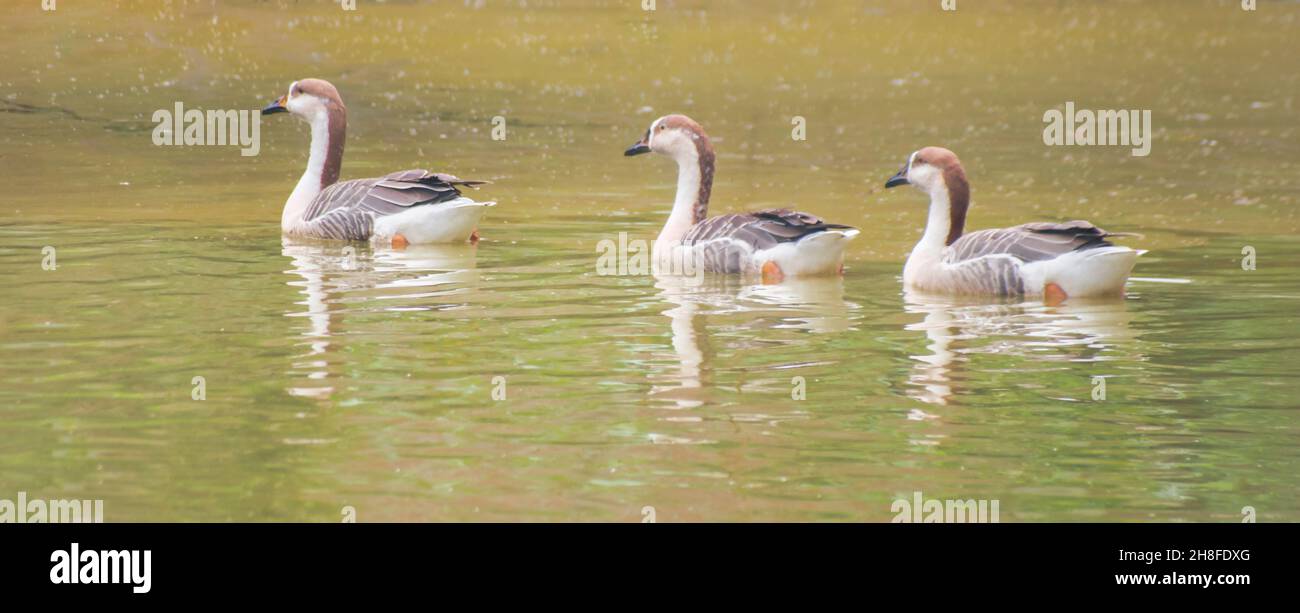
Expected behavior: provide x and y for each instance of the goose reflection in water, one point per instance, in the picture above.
(336, 279)
(1076, 331)
(814, 304)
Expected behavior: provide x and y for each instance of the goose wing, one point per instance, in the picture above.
(759, 229)
(389, 194)
(1031, 242)
(347, 210)
(725, 242)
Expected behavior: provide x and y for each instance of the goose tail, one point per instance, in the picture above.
(1094, 272)
(817, 254)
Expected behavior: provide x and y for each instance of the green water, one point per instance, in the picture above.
(368, 380)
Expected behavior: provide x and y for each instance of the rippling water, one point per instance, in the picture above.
(367, 379)
(344, 375)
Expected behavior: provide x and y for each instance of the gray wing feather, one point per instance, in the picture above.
(1031, 242)
(999, 275)
(724, 243)
(344, 224)
(347, 210)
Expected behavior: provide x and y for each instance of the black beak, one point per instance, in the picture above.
(899, 178)
(275, 107)
(639, 147)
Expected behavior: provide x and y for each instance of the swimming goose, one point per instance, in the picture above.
(774, 242)
(411, 206)
(1052, 260)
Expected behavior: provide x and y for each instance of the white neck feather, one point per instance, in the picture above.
(309, 185)
(940, 221)
(688, 192)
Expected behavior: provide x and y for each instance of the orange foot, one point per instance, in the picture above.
(473, 236)
(772, 273)
(400, 242)
(1053, 294)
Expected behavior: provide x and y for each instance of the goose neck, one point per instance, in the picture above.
(694, 186)
(324, 161)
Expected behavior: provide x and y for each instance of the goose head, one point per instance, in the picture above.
(682, 139)
(937, 171)
(318, 103)
(308, 99)
(927, 170)
(676, 136)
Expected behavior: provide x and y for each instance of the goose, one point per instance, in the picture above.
(774, 243)
(1054, 261)
(401, 208)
